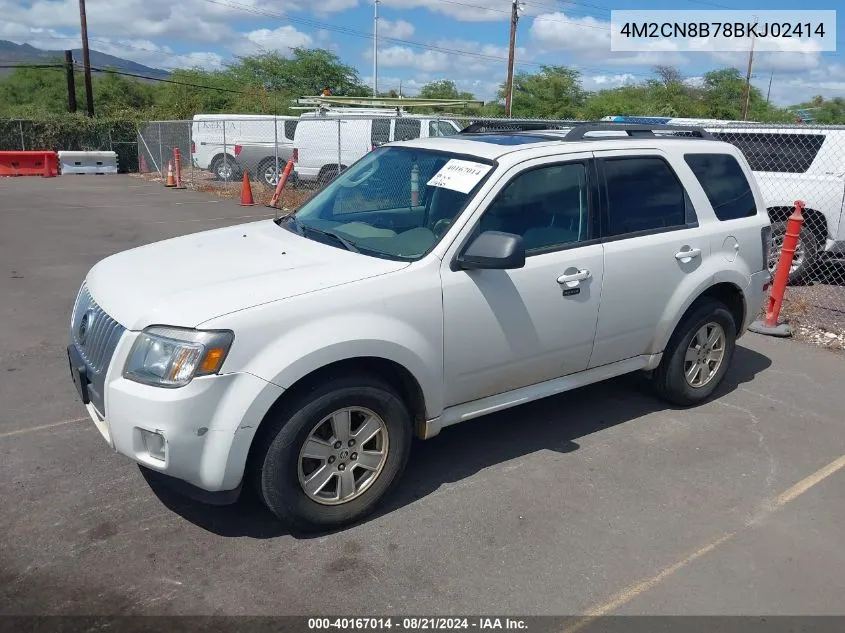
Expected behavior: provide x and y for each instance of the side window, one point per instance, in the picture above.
(547, 206)
(381, 132)
(440, 128)
(407, 129)
(783, 153)
(643, 194)
(290, 129)
(725, 184)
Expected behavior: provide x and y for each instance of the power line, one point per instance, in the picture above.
(280, 15)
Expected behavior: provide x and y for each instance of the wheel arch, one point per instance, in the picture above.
(727, 292)
(813, 220)
(396, 375)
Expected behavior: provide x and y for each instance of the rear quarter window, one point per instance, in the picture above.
(772, 152)
(290, 129)
(725, 184)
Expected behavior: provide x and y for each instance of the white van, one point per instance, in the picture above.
(326, 144)
(790, 162)
(218, 139)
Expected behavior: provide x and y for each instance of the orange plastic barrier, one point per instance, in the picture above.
(37, 163)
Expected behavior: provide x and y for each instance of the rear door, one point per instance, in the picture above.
(652, 246)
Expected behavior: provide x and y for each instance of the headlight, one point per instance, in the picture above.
(172, 357)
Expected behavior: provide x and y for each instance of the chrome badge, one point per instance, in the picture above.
(84, 325)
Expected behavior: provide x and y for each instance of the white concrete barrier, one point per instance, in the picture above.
(88, 162)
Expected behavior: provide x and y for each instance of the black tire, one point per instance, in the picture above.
(327, 174)
(217, 167)
(809, 244)
(669, 379)
(264, 168)
(275, 458)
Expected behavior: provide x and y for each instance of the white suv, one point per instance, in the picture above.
(434, 281)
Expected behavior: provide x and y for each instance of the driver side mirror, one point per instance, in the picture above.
(493, 250)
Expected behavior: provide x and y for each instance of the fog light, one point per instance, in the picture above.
(154, 443)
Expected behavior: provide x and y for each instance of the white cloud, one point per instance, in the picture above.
(399, 29)
(406, 57)
(589, 38)
(604, 82)
(470, 11)
(827, 80)
(322, 7)
(281, 40)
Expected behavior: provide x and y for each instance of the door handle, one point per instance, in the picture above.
(688, 254)
(581, 275)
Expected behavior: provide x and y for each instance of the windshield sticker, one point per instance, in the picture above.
(459, 175)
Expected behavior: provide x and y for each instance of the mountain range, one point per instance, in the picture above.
(11, 53)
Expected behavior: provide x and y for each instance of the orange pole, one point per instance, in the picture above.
(790, 241)
(177, 160)
(281, 184)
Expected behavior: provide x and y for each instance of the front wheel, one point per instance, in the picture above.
(698, 354)
(329, 458)
(224, 168)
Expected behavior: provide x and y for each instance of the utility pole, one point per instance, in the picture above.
(509, 86)
(71, 82)
(86, 61)
(375, 48)
(747, 95)
(769, 91)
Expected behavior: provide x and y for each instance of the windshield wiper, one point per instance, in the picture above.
(301, 229)
(342, 240)
(291, 217)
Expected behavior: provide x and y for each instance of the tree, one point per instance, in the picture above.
(306, 73)
(555, 92)
(444, 89)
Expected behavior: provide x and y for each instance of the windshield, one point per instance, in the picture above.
(396, 202)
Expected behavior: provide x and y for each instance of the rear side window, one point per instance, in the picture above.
(725, 184)
(785, 153)
(643, 194)
(407, 129)
(290, 129)
(381, 132)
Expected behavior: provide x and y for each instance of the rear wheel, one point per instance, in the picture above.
(806, 253)
(327, 174)
(328, 458)
(698, 354)
(268, 172)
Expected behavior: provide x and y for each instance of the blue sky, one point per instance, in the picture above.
(462, 40)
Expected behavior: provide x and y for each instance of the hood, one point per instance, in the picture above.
(187, 280)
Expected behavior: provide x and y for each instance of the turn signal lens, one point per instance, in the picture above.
(212, 361)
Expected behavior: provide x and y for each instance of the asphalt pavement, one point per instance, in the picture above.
(600, 501)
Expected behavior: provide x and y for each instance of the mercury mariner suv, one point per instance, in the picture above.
(434, 281)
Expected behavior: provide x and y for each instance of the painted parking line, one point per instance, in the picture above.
(43, 427)
(638, 588)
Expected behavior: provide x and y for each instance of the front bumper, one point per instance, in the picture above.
(207, 425)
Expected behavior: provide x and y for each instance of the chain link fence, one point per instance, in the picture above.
(790, 162)
(74, 134)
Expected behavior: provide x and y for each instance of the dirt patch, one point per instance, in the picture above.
(291, 198)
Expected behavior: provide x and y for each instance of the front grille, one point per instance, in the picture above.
(95, 342)
(101, 335)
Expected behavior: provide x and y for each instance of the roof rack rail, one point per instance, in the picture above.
(579, 131)
(505, 125)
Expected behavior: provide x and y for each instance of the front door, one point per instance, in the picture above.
(505, 329)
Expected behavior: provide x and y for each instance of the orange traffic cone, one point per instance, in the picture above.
(171, 179)
(246, 192)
